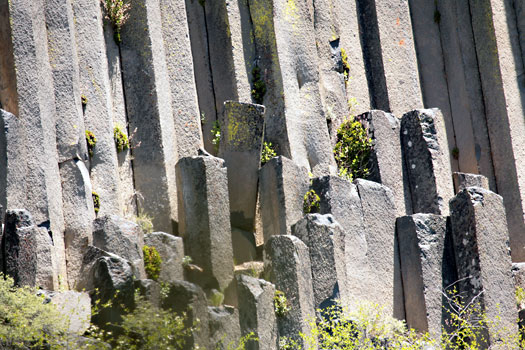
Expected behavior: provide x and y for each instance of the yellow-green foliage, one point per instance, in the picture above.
(520, 297)
(268, 152)
(25, 319)
(152, 262)
(346, 65)
(84, 100)
(280, 304)
(145, 222)
(116, 11)
(91, 141)
(311, 202)
(216, 298)
(121, 140)
(352, 150)
(96, 201)
(258, 86)
(216, 133)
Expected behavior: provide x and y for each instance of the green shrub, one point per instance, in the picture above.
(116, 12)
(91, 141)
(352, 150)
(346, 65)
(216, 298)
(280, 304)
(145, 222)
(216, 133)
(268, 152)
(96, 201)
(121, 140)
(259, 87)
(152, 262)
(311, 202)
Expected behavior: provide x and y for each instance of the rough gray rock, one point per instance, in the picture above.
(225, 330)
(390, 56)
(256, 312)
(29, 254)
(171, 251)
(464, 180)
(150, 290)
(204, 214)
(98, 111)
(78, 215)
(75, 307)
(282, 186)
(179, 63)
(242, 128)
(123, 238)
(427, 161)
(325, 240)
(32, 181)
(386, 166)
(189, 298)
(291, 271)
(150, 112)
(421, 247)
(243, 246)
(480, 236)
(371, 271)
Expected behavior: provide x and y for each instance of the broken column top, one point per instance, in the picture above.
(464, 180)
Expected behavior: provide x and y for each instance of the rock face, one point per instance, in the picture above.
(463, 180)
(171, 251)
(421, 247)
(480, 236)
(256, 312)
(225, 330)
(427, 161)
(75, 307)
(204, 214)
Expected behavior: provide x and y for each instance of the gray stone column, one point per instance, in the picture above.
(149, 107)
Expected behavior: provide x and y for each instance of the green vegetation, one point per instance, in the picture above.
(152, 262)
(280, 304)
(216, 298)
(121, 140)
(186, 260)
(91, 141)
(145, 222)
(216, 133)
(84, 100)
(259, 87)
(311, 202)
(520, 297)
(202, 2)
(96, 201)
(116, 12)
(346, 65)
(268, 152)
(352, 150)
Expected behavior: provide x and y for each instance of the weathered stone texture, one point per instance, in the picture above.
(386, 158)
(464, 180)
(427, 161)
(78, 215)
(242, 128)
(325, 240)
(179, 64)
(75, 307)
(98, 116)
(204, 214)
(292, 274)
(124, 238)
(480, 236)
(225, 330)
(171, 251)
(389, 53)
(149, 107)
(256, 312)
(421, 247)
(282, 186)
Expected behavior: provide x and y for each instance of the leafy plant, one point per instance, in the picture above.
(152, 262)
(186, 260)
(268, 152)
(216, 298)
(280, 304)
(121, 140)
(259, 86)
(116, 12)
(84, 100)
(352, 150)
(216, 133)
(96, 201)
(311, 202)
(91, 141)
(346, 65)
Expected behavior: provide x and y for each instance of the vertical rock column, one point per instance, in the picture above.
(496, 37)
(204, 214)
(295, 120)
(98, 116)
(179, 63)
(427, 161)
(480, 236)
(31, 176)
(282, 186)
(421, 248)
(149, 106)
(390, 56)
